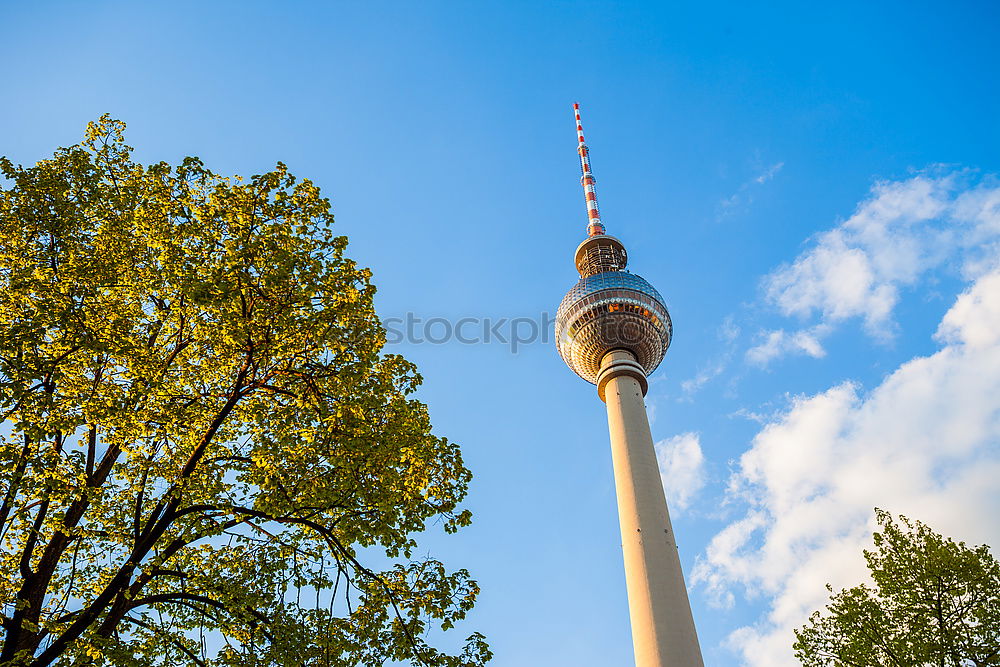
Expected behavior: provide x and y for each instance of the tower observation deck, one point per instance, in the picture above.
(613, 329)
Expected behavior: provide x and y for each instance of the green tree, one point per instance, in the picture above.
(934, 602)
(201, 435)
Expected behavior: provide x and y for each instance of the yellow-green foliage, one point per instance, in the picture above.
(200, 424)
(935, 603)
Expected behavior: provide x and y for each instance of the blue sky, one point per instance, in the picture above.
(810, 186)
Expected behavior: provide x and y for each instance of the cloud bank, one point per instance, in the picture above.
(925, 442)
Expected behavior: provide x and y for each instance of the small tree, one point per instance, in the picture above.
(935, 602)
(200, 432)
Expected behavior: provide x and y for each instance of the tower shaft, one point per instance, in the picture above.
(663, 631)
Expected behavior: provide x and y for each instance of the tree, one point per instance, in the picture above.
(934, 602)
(201, 435)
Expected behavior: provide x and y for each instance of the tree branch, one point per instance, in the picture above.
(170, 638)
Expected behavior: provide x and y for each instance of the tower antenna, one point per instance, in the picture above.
(594, 225)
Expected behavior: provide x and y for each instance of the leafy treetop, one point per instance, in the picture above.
(934, 602)
(201, 433)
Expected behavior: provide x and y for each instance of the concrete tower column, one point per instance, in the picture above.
(663, 632)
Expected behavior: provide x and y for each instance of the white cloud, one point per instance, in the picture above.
(682, 469)
(975, 318)
(769, 173)
(692, 385)
(900, 232)
(925, 443)
(778, 343)
(727, 332)
(743, 195)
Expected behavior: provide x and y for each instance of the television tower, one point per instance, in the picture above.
(612, 329)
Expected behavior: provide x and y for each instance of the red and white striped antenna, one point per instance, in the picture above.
(594, 225)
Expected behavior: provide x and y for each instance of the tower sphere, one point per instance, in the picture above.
(610, 309)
